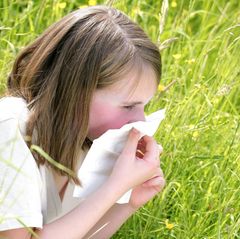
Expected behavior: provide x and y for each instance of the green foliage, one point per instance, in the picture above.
(200, 134)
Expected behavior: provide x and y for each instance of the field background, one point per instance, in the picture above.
(200, 89)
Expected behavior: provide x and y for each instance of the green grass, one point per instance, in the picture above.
(200, 134)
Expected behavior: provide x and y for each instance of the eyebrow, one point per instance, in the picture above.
(133, 103)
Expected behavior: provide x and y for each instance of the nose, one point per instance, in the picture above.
(138, 116)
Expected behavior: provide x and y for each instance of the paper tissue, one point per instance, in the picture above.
(101, 157)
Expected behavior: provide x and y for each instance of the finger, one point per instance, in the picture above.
(156, 181)
(151, 148)
(132, 142)
(158, 173)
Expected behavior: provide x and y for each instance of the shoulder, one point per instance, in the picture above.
(13, 113)
(20, 178)
(13, 119)
(13, 108)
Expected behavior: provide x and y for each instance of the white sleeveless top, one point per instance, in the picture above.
(28, 194)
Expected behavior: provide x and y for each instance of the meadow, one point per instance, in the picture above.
(200, 90)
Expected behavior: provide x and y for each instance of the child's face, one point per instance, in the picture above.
(121, 103)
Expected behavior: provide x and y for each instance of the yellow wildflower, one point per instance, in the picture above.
(174, 4)
(198, 86)
(161, 88)
(92, 2)
(169, 226)
(215, 101)
(177, 56)
(190, 61)
(62, 5)
(191, 126)
(83, 6)
(195, 134)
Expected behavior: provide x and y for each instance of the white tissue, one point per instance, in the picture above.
(100, 159)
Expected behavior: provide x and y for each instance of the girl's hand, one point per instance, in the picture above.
(142, 193)
(130, 170)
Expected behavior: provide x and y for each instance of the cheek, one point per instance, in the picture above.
(103, 118)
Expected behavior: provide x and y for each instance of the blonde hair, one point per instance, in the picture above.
(57, 74)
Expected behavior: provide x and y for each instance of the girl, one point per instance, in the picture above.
(91, 71)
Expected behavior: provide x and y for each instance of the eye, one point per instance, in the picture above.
(129, 107)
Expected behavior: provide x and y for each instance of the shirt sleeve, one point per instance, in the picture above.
(20, 180)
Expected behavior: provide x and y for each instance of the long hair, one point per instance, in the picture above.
(57, 74)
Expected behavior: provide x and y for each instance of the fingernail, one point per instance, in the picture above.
(134, 130)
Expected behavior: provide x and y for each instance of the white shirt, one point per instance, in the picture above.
(28, 194)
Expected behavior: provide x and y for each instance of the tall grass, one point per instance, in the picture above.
(200, 134)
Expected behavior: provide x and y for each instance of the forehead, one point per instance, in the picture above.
(138, 83)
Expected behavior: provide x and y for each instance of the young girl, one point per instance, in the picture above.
(91, 71)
